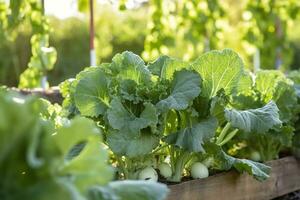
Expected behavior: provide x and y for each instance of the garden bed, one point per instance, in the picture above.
(284, 178)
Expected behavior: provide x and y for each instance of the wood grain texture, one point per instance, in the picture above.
(52, 94)
(284, 178)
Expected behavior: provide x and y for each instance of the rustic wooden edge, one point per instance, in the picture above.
(284, 178)
(52, 94)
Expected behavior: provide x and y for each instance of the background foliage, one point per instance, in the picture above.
(115, 31)
(182, 29)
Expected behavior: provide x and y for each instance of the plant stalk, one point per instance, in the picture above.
(229, 137)
(223, 133)
(179, 166)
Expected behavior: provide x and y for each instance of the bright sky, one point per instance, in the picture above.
(61, 8)
(67, 8)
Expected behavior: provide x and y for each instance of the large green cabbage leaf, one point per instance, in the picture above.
(223, 161)
(122, 119)
(130, 66)
(273, 85)
(257, 120)
(219, 69)
(184, 88)
(92, 93)
(165, 67)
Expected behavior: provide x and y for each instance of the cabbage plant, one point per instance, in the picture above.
(175, 112)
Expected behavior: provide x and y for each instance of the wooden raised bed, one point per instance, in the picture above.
(284, 178)
(52, 94)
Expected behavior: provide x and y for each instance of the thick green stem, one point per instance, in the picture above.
(165, 126)
(178, 161)
(183, 120)
(172, 158)
(223, 133)
(261, 152)
(188, 119)
(229, 137)
(159, 148)
(179, 166)
(179, 120)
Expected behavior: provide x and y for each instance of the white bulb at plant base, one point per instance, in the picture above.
(165, 170)
(148, 174)
(198, 170)
(255, 156)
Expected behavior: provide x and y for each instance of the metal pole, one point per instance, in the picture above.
(43, 7)
(92, 36)
(279, 34)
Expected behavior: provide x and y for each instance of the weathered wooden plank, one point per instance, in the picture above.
(284, 178)
(52, 94)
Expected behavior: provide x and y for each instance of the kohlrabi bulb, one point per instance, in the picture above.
(148, 174)
(165, 170)
(255, 156)
(198, 170)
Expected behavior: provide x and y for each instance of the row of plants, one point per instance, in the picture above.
(166, 121)
(171, 114)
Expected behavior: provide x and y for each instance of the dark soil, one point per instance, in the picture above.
(290, 196)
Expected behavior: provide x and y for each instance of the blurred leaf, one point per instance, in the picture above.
(129, 189)
(83, 5)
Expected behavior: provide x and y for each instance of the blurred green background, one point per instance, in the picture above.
(135, 30)
(116, 31)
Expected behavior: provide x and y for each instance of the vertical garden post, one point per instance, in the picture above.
(92, 35)
(278, 30)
